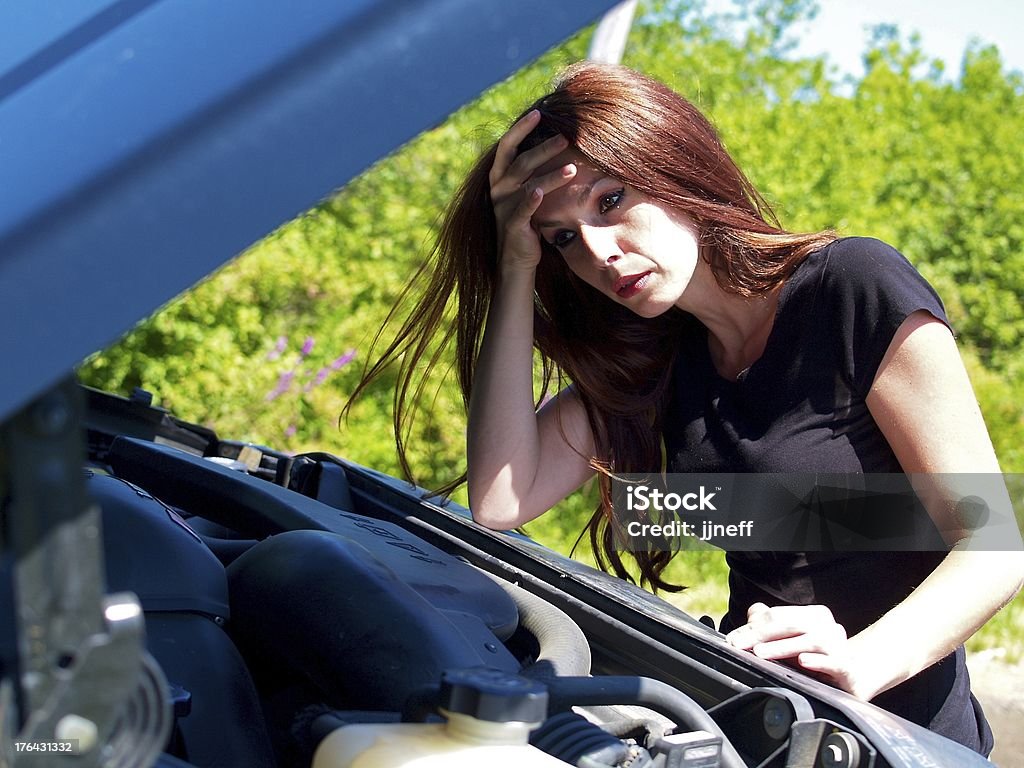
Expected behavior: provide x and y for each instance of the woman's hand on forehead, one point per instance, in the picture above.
(518, 184)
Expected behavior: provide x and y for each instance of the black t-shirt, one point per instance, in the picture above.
(801, 408)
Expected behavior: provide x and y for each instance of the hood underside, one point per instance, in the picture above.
(144, 143)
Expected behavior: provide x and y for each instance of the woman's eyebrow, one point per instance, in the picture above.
(581, 199)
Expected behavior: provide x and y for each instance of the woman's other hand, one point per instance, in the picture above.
(516, 192)
(809, 637)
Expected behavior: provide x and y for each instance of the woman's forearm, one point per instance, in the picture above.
(502, 440)
(521, 461)
(949, 606)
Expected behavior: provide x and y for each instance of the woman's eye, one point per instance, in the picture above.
(611, 200)
(563, 238)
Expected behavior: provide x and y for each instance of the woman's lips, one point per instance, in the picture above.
(630, 285)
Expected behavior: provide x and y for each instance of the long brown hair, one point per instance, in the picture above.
(642, 133)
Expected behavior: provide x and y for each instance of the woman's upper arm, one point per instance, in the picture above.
(923, 402)
(563, 451)
(566, 450)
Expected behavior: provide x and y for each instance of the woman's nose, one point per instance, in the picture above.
(601, 244)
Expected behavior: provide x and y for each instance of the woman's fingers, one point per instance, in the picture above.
(533, 192)
(768, 625)
(818, 639)
(509, 171)
(528, 205)
(549, 182)
(509, 143)
(524, 166)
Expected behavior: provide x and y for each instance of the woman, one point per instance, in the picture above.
(610, 229)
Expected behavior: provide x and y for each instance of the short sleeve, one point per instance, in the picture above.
(873, 289)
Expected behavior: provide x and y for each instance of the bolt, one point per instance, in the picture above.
(79, 729)
(776, 719)
(840, 750)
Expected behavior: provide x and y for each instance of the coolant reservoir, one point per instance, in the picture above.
(489, 718)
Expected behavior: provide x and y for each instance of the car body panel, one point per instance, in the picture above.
(145, 143)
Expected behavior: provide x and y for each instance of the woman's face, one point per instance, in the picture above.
(634, 250)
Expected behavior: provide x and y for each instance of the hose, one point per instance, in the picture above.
(564, 650)
(567, 692)
(563, 664)
(569, 737)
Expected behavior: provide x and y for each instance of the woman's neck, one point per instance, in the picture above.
(738, 327)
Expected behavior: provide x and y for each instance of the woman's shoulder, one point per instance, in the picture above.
(861, 282)
(863, 290)
(857, 267)
(851, 254)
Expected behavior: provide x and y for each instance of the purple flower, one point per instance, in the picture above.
(279, 347)
(284, 383)
(321, 376)
(307, 345)
(290, 431)
(343, 360)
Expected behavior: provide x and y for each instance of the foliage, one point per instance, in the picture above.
(932, 165)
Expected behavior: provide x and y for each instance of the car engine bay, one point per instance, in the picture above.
(295, 603)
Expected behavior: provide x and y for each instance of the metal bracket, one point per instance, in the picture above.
(83, 691)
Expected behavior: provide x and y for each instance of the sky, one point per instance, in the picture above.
(946, 27)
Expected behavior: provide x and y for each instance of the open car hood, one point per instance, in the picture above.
(143, 143)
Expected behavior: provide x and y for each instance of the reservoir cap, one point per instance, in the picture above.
(493, 695)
